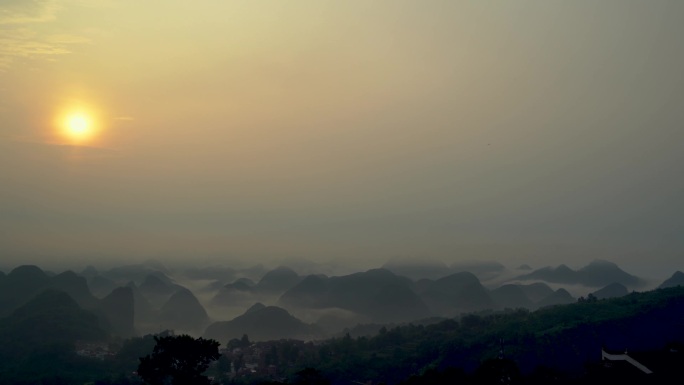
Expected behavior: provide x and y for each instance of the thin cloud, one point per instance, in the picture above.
(20, 39)
(67, 39)
(27, 11)
(26, 145)
(13, 47)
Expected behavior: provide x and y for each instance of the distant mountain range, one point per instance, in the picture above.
(598, 273)
(25, 283)
(417, 270)
(378, 294)
(147, 297)
(51, 316)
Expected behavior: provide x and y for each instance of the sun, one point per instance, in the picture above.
(78, 126)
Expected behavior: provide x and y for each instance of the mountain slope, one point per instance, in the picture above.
(183, 312)
(277, 281)
(119, 307)
(101, 286)
(261, 323)
(52, 316)
(377, 293)
(456, 293)
(601, 273)
(25, 282)
(611, 291)
(511, 296)
(536, 291)
(677, 279)
(559, 297)
(20, 285)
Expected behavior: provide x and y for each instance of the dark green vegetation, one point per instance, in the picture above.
(178, 360)
(564, 338)
(559, 344)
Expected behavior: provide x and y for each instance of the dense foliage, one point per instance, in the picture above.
(178, 360)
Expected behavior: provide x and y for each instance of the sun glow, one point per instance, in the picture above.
(78, 126)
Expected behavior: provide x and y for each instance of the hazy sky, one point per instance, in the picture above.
(511, 130)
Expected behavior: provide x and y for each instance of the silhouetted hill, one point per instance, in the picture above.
(137, 272)
(28, 274)
(101, 286)
(364, 293)
(183, 312)
(143, 312)
(239, 286)
(52, 316)
(596, 274)
(89, 272)
(25, 282)
(360, 292)
(256, 307)
(559, 297)
(277, 281)
(354, 292)
(257, 270)
(611, 291)
(560, 274)
(677, 279)
(311, 292)
(261, 324)
(119, 308)
(213, 286)
(232, 294)
(536, 291)
(456, 293)
(524, 267)
(77, 288)
(38, 342)
(20, 285)
(511, 296)
(158, 290)
(156, 265)
(600, 273)
(246, 281)
(397, 303)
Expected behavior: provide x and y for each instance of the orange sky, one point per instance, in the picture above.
(362, 130)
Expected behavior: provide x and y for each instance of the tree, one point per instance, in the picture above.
(310, 376)
(244, 341)
(497, 371)
(238, 363)
(178, 360)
